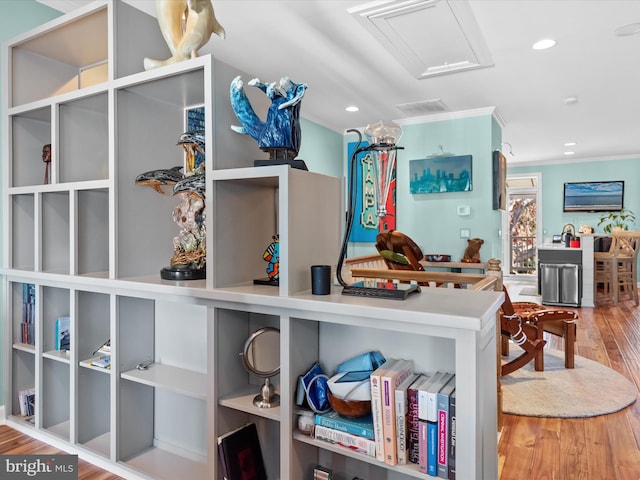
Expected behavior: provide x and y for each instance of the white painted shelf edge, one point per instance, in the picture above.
(181, 380)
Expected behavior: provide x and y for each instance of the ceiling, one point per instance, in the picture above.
(334, 52)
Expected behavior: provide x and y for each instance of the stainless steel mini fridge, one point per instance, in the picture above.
(560, 284)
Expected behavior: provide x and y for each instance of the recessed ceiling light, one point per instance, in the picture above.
(352, 108)
(543, 44)
(572, 100)
(627, 30)
(569, 153)
(570, 144)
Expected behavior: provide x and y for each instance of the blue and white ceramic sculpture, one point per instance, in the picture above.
(280, 133)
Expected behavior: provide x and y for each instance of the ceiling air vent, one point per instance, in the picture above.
(429, 37)
(424, 107)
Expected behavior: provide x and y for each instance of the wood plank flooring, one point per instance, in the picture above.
(598, 448)
(15, 442)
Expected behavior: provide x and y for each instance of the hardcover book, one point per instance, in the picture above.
(402, 410)
(428, 390)
(390, 380)
(412, 419)
(376, 405)
(443, 428)
(432, 423)
(452, 436)
(240, 454)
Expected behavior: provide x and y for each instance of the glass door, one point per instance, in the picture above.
(520, 223)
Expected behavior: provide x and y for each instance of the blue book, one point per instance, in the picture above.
(432, 422)
(63, 333)
(362, 427)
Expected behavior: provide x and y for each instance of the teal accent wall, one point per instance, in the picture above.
(431, 220)
(16, 16)
(554, 176)
(321, 149)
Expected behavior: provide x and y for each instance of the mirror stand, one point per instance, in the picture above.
(267, 397)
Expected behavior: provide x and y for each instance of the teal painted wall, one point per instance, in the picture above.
(321, 149)
(431, 220)
(16, 16)
(554, 176)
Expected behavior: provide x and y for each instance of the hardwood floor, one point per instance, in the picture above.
(15, 442)
(598, 448)
(606, 447)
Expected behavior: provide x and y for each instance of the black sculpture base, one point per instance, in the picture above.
(294, 163)
(182, 272)
(394, 291)
(274, 282)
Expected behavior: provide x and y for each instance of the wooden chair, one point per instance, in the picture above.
(531, 320)
(616, 271)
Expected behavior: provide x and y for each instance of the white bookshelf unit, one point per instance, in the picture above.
(92, 243)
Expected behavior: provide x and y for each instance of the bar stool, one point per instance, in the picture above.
(616, 271)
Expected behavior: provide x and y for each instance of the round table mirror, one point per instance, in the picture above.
(261, 356)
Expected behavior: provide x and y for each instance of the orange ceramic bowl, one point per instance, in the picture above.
(349, 408)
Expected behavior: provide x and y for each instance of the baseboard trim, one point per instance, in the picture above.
(105, 464)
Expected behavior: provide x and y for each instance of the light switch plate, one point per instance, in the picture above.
(465, 233)
(464, 210)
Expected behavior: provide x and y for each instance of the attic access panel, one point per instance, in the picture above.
(429, 37)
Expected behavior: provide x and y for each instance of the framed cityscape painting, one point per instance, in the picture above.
(441, 174)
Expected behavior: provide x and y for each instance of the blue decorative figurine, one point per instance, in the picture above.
(280, 133)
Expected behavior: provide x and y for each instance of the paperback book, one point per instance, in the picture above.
(352, 442)
(362, 427)
(63, 333)
(390, 380)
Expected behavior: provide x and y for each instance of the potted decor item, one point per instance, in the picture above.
(622, 220)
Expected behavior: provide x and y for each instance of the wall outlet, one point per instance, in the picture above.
(465, 233)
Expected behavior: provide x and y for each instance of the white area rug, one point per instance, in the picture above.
(588, 390)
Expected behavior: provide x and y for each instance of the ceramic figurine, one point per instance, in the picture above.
(272, 255)
(472, 252)
(186, 26)
(192, 142)
(189, 256)
(46, 158)
(157, 179)
(192, 183)
(280, 133)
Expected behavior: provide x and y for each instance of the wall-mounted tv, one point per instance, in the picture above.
(593, 196)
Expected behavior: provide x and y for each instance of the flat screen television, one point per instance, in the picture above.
(593, 196)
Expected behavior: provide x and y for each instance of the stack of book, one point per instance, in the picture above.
(103, 353)
(354, 433)
(27, 402)
(28, 314)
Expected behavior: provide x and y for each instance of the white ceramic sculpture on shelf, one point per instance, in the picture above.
(186, 26)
